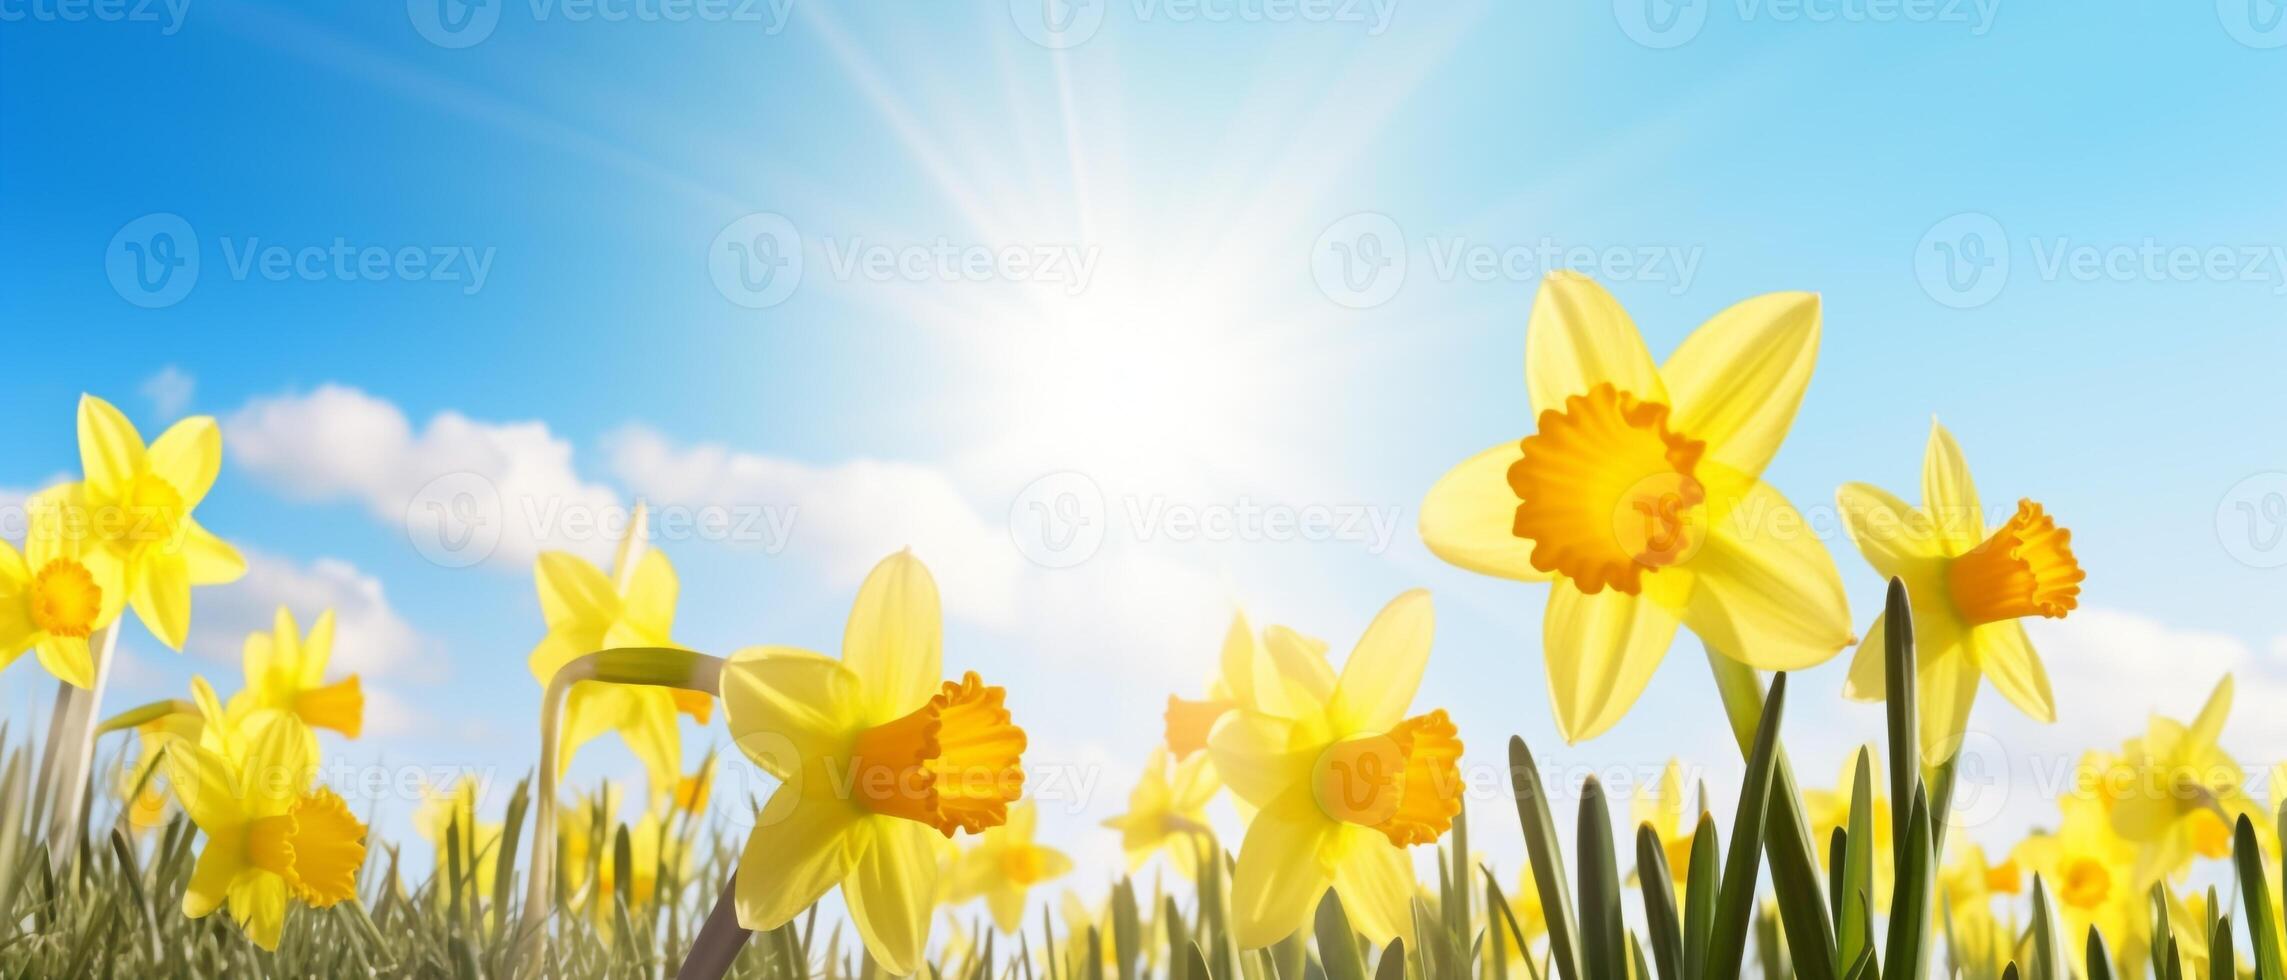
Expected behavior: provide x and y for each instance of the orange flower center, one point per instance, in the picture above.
(65, 599)
(2087, 883)
(1406, 784)
(953, 763)
(2025, 569)
(2211, 837)
(2004, 878)
(339, 706)
(1606, 491)
(1189, 722)
(316, 845)
(1024, 865)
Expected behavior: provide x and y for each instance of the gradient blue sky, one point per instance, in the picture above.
(1200, 162)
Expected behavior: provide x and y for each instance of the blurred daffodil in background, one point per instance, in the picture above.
(1167, 811)
(1639, 497)
(2178, 793)
(1342, 787)
(286, 671)
(133, 511)
(1829, 810)
(51, 600)
(1004, 866)
(1274, 673)
(270, 837)
(1969, 590)
(447, 819)
(1661, 805)
(879, 757)
(2091, 871)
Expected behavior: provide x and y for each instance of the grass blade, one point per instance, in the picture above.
(1735, 905)
(1548, 861)
(1658, 885)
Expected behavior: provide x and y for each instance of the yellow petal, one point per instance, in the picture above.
(1949, 496)
(2208, 727)
(281, 759)
(1600, 651)
(1006, 903)
(649, 608)
(784, 705)
(2006, 657)
(162, 598)
(110, 450)
(207, 559)
(591, 709)
(205, 785)
(1300, 661)
(1736, 381)
(1946, 688)
(573, 593)
(1869, 678)
(1194, 783)
(210, 880)
(258, 902)
(1579, 337)
(1255, 753)
(1895, 538)
(1768, 593)
(894, 642)
(800, 848)
(651, 733)
(1241, 659)
(1384, 671)
(317, 649)
(1470, 515)
(1374, 879)
(890, 892)
(67, 658)
(1281, 871)
(187, 456)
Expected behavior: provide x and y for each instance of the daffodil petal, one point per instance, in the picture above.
(890, 892)
(1869, 678)
(1949, 496)
(1578, 338)
(1894, 537)
(1255, 754)
(1946, 688)
(67, 658)
(210, 881)
(652, 735)
(1768, 594)
(2207, 728)
(2006, 657)
(2143, 814)
(1736, 382)
(187, 456)
(1375, 881)
(1384, 671)
(162, 598)
(258, 902)
(894, 639)
(207, 559)
(110, 450)
(282, 758)
(783, 705)
(799, 849)
(317, 650)
(1281, 871)
(574, 593)
(204, 784)
(650, 604)
(1469, 517)
(1006, 903)
(1601, 650)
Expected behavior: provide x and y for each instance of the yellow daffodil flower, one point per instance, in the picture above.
(585, 613)
(1640, 496)
(286, 671)
(1980, 946)
(133, 512)
(1273, 673)
(1525, 904)
(1004, 866)
(1829, 810)
(646, 841)
(878, 755)
(1968, 590)
(1972, 879)
(449, 812)
(1661, 806)
(142, 786)
(2088, 871)
(271, 837)
(51, 600)
(1343, 788)
(1167, 811)
(2178, 793)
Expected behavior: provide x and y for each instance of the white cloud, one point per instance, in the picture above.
(463, 490)
(844, 517)
(370, 638)
(169, 391)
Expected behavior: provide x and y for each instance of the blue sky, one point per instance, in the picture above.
(1153, 208)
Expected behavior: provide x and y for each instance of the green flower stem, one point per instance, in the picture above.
(71, 750)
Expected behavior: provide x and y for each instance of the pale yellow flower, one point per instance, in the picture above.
(286, 671)
(1969, 591)
(1972, 879)
(587, 612)
(2089, 872)
(1167, 811)
(1276, 673)
(2178, 793)
(53, 595)
(142, 785)
(1661, 806)
(878, 755)
(1005, 865)
(1640, 497)
(450, 812)
(1342, 789)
